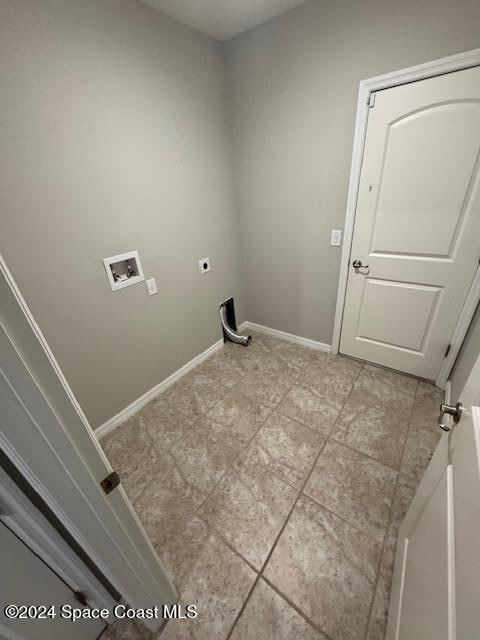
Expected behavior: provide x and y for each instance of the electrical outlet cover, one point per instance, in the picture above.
(204, 265)
(152, 286)
(336, 238)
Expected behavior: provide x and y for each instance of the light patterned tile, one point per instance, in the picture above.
(248, 509)
(401, 503)
(218, 585)
(277, 355)
(327, 568)
(296, 356)
(285, 447)
(270, 364)
(419, 450)
(168, 500)
(426, 407)
(240, 415)
(375, 417)
(266, 388)
(224, 368)
(270, 617)
(248, 358)
(355, 487)
(378, 619)
(392, 383)
(128, 449)
(264, 340)
(165, 425)
(327, 373)
(325, 564)
(315, 408)
(377, 624)
(126, 630)
(206, 452)
(193, 395)
(179, 540)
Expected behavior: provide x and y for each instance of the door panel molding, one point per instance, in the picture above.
(431, 69)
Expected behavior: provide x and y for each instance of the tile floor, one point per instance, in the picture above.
(272, 481)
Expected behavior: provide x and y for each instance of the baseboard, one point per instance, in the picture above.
(289, 337)
(162, 386)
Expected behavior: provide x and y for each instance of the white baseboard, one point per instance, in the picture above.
(162, 386)
(147, 397)
(289, 337)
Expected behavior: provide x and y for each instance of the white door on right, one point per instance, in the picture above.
(417, 224)
(436, 584)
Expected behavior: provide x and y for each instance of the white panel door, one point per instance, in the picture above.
(45, 435)
(436, 584)
(417, 224)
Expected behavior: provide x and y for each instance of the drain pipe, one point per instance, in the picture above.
(232, 335)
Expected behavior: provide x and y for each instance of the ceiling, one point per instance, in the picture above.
(223, 19)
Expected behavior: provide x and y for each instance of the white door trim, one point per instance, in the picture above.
(106, 527)
(461, 329)
(366, 88)
(26, 521)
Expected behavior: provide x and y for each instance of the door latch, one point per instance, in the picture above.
(81, 597)
(109, 483)
(448, 409)
(357, 265)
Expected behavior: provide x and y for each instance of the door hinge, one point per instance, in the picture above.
(447, 350)
(371, 100)
(81, 597)
(109, 483)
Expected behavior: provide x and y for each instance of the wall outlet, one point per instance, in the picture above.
(336, 238)
(204, 265)
(152, 286)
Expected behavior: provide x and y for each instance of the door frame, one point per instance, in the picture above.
(367, 88)
(105, 527)
(34, 530)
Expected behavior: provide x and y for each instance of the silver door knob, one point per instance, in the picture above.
(357, 265)
(452, 410)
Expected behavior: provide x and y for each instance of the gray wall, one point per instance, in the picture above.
(114, 135)
(466, 358)
(294, 84)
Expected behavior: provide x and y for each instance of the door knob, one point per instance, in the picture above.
(357, 265)
(451, 410)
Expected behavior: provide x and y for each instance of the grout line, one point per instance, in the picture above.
(412, 376)
(297, 377)
(358, 528)
(296, 608)
(242, 608)
(240, 452)
(261, 574)
(228, 544)
(367, 455)
(390, 517)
